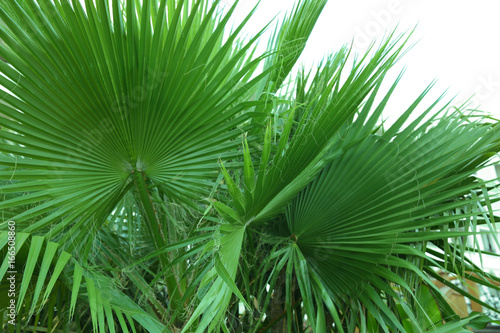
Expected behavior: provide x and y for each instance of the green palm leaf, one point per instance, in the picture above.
(97, 117)
(383, 196)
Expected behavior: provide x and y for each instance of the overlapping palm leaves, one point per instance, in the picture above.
(106, 97)
(114, 118)
(378, 204)
(364, 224)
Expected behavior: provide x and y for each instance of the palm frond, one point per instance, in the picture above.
(382, 200)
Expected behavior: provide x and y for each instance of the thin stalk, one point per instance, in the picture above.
(151, 217)
(159, 239)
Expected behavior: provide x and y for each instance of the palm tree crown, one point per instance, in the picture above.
(163, 176)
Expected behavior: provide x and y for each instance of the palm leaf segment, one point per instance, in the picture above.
(45, 269)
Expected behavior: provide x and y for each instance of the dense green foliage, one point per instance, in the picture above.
(164, 177)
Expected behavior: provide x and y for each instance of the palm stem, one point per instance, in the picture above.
(154, 226)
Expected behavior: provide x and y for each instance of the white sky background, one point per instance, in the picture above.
(457, 43)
